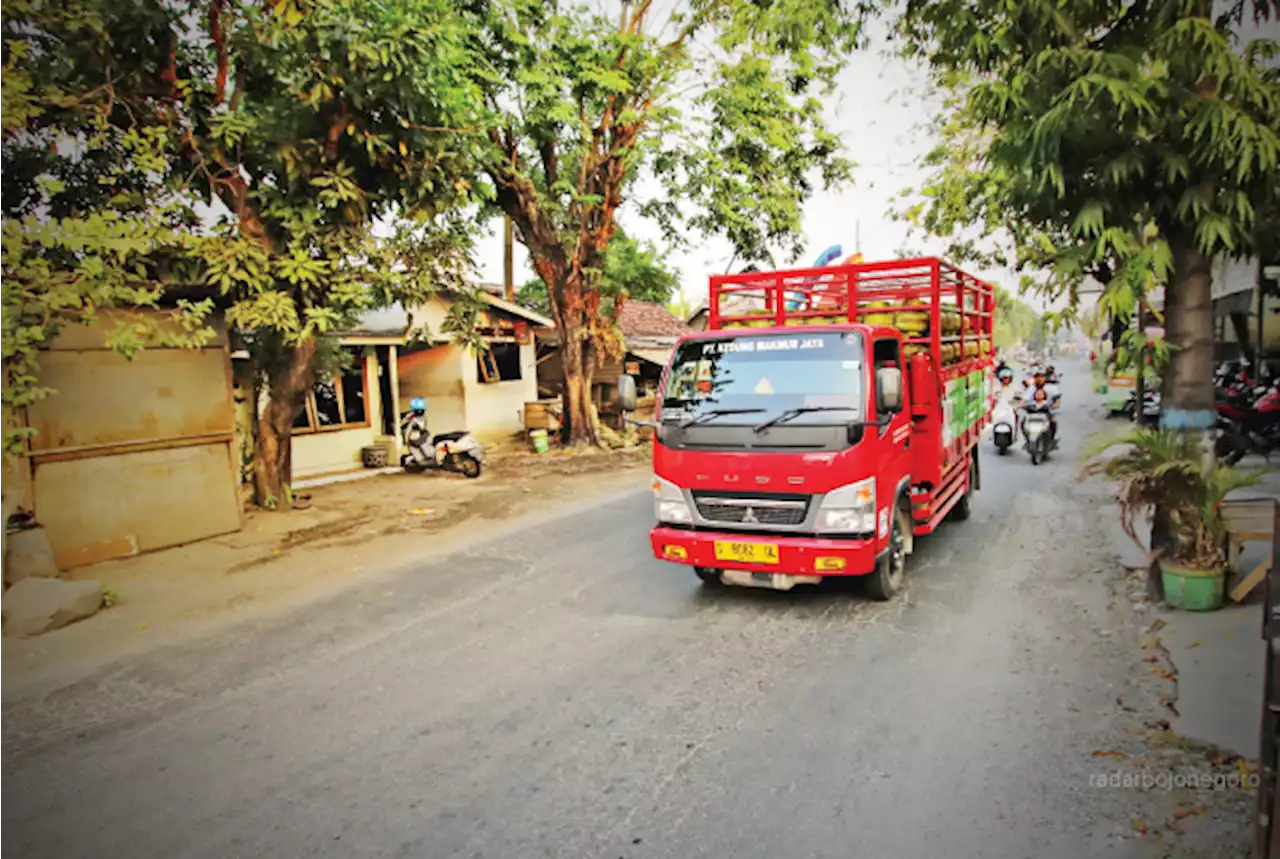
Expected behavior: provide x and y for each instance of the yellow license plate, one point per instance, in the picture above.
(747, 553)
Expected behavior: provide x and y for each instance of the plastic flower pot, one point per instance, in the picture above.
(1193, 590)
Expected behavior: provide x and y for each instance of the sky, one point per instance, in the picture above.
(881, 113)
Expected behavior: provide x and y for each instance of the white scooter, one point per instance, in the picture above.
(1035, 426)
(1004, 427)
(450, 451)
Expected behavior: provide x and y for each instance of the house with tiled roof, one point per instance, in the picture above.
(649, 333)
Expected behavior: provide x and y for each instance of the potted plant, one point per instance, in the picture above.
(1169, 469)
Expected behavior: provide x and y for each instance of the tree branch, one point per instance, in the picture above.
(550, 163)
(219, 38)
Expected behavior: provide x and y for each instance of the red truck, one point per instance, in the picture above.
(826, 418)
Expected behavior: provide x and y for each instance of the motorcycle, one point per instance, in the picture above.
(1248, 422)
(1003, 428)
(451, 451)
(1035, 429)
(1150, 408)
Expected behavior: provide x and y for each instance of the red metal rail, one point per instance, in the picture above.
(843, 294)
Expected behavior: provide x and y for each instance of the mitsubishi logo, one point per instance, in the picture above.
(750, 517)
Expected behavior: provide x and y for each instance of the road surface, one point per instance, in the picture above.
(558, 693)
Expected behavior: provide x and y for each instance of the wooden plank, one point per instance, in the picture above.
(1251, 581)
(1252, 515)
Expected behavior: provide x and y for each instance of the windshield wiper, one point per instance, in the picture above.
(716, 413)
(791, 414)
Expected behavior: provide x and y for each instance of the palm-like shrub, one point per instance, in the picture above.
(1168, 468)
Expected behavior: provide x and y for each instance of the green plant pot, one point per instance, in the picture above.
(1193, 590)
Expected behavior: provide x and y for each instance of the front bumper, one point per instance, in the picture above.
(797, 556)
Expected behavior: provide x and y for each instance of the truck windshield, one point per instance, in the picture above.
(765, 376)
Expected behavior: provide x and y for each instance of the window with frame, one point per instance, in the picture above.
(339, 401)
(499, 363)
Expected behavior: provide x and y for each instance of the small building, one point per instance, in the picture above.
(698, 319)
(129, 455)
(354, 407)
(649, 333)
(484, 392)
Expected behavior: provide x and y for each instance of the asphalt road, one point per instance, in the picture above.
(553, 691)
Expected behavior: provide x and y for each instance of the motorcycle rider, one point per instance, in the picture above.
(1041, 391)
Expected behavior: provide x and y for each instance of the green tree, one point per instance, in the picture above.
(87, 220)
(305, 121)
(631, 270)
(1127, 141)
(718, 104)
(1016, 322)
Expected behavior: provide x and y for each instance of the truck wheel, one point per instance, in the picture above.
(709, 575)
(891, 569)
(964, 507)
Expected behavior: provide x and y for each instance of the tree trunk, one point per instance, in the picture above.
(578, 359)
(271, 447)
(1188, 382)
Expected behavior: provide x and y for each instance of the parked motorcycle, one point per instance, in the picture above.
(1150, 408)
(1035, 429)
(1248, 422)
(451, 451)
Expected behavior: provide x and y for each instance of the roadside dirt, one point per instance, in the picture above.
(350, 531)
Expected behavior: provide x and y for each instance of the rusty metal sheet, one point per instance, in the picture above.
(95, 336)
(110, 506)
(105, 399)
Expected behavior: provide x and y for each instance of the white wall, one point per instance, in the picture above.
(496, 409)
(436, 375)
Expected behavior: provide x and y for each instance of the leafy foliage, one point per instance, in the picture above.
(1016, 322)
(631, 270)
(1169, 469)
(86, 227)
(718, 104)
(305, 124)
(1129, 142)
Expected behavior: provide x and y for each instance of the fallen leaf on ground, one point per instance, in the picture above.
(1072, 708)
(421, 511)
(1108, 753)
(1152, 659)
(1184, 813)
(1229, 635)
(1139, 825)
(1193, 644)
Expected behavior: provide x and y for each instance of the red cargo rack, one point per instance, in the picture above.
(846, 293)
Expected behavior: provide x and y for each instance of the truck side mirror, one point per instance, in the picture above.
(625, 399)
(888, 390)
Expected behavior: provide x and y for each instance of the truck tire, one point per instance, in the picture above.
(709, 576)
(885, 582)
(964, 507)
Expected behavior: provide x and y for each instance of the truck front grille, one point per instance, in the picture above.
(753, 511)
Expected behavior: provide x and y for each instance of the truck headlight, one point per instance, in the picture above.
(669, 504)
(850, 509)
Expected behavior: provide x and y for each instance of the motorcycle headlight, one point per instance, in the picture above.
(850, 509)
(668, 503)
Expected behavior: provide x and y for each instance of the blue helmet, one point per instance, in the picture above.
(418, 404)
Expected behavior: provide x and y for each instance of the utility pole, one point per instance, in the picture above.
(1140, 382)
(508, 261)
(1261, 288)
